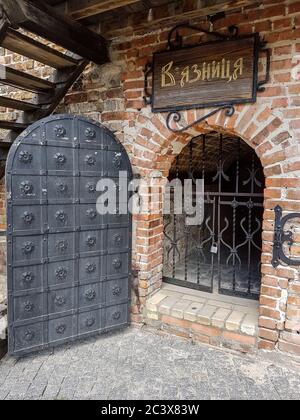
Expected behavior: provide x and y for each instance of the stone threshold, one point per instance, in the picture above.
(209, 318)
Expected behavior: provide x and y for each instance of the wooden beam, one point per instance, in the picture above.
(63, 80)
(17, 42)
(181, 11)
(80, 9)
(35, 16)
(25, 81)
(12, 125)
(20, 105)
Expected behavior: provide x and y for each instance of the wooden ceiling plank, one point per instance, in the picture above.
(81, 9)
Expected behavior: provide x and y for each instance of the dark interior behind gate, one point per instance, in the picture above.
(222, 255)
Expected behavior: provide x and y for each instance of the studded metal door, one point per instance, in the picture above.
(68, 266)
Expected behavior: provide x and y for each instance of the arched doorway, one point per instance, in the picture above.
(223, 254)
(68, 265)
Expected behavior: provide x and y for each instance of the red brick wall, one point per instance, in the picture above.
(113, 95)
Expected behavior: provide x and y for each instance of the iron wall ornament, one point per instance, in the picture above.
(217, 74)
(281, 237)
(59, 249)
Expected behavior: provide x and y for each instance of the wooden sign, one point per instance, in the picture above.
(206, 75)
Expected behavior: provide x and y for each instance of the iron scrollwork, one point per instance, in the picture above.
(176, 117)
(281, 237)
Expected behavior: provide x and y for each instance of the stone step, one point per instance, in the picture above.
(212, 320)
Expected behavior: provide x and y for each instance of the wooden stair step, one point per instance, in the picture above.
(24, 81)
(12, 125)
(28, 47)
(19, 105)
(41, 19)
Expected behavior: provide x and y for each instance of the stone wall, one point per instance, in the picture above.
(113, 95)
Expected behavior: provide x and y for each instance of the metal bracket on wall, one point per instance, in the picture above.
(281, 237)
(176, 117)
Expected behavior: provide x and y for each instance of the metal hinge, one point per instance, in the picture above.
(281, 237)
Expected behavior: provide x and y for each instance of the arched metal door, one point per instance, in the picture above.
(68, 266)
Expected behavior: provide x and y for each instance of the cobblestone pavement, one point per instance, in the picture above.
(138, 364)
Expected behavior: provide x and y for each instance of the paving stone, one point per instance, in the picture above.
(160, 367)
(194, 298)
(219, 318)
(219, 304)
(234, 321)
(249, 325)
(167, 304)
(204, 316)
(247, 309)
(178, 309)
(190, 314)
(155, 300)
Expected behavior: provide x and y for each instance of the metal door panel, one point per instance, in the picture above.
(61, 129)
(90, 295)
(61, 252)
(27, 188)
(89, 217)
(89, 322)
(116, 219)
(93, 241)
(28, 306)
(60, 273)
(91, 269)
(61, 245)
(118, 239)
(116, 316)
(117, 265)
(28, 249)
(91, 161)
(114, 163)
(116, 291)
(61, 189)
(28, 338)
(60, 159)
(89, 133)
(88, 189)
(61, 300)
(61, 329)
(32, 135)
(110, 143)
(27, 219)
(28, 159)
(61, 217)
(27, 277)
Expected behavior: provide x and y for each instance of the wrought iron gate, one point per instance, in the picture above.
(224, 253)
(68, 266)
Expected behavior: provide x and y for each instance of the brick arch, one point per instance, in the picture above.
(257, 125)
(272, 141)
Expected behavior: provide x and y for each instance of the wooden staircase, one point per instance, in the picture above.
(82, 46)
